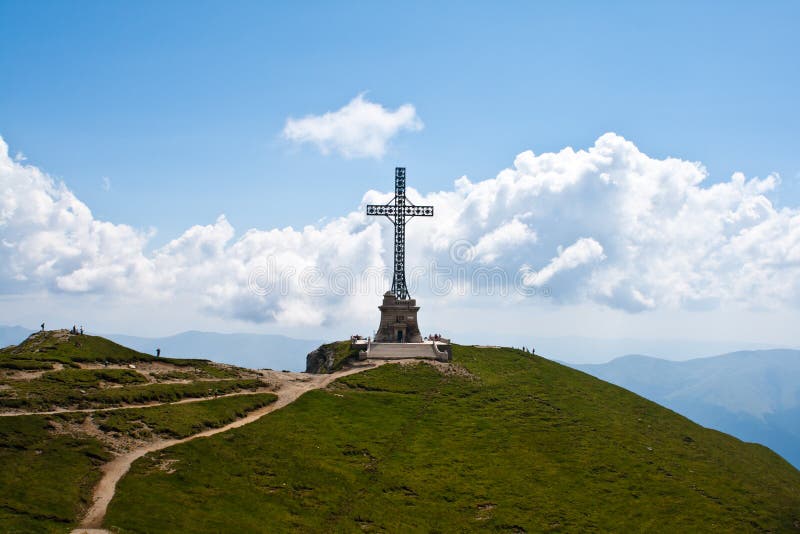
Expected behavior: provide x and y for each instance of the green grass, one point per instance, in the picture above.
(175, 375)
(67, 390)
(181, 420)
(46, 479)
(73, 387)
(24, 365)
(525, 444)
(203, 368)
(343, 351)
(47, 347)
(42, 349)
(93, 377)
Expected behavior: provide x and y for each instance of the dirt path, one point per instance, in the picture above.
(290, 390)
(145, 405)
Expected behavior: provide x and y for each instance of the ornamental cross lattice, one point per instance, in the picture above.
(399, 210)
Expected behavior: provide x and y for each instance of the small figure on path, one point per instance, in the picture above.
(74, 330)
(42, 327)
(81, 329)
(158, 353)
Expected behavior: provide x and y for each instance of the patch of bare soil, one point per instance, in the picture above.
(116, 443)
(167, 465)
(18, 374)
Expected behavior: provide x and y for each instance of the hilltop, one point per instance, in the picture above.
(498, 440)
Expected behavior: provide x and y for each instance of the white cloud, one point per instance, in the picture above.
(492, 245)
(583, 251)
(665, 238)
(606, 225)
(105, 183)
(52, 241)
(51, 238)
(360, 129)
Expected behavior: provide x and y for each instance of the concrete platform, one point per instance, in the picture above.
(427, 350)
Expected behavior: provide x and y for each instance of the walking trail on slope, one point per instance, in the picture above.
(290, 390)
(188, 400)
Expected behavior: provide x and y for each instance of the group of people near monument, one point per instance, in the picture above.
(74, 330)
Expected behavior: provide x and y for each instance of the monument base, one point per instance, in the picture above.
(428, 350)
(398, 321)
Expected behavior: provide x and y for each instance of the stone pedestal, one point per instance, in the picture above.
(398, 321)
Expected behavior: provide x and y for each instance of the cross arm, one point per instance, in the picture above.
(406, 211)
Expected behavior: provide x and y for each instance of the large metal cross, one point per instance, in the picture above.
(398, 210)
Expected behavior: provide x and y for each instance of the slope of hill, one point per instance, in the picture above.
(499, 440)
(753, 395)
(71, 403)
(255, 351)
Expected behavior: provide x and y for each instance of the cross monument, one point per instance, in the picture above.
(399, 310)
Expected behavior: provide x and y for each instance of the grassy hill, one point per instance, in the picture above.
(503, 441)
(500, 440)
(51, 461)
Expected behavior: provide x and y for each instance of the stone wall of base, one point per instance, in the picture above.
(398, 320)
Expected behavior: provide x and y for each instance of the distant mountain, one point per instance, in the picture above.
(13, 335)
(753, 395)
(589, 350)
(246, 350)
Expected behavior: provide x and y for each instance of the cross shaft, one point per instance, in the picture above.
(399, 210)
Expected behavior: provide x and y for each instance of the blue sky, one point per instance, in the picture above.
(181, 105)
(181, 99)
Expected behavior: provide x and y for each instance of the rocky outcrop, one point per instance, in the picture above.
(320, 360)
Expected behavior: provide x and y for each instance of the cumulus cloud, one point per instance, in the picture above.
(638, 232)
(583, 251)
(51, 240)
(360, 129)
(50, 237)
(607, 224)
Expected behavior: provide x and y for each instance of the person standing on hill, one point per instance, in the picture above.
(158, 353)
(42, 327)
